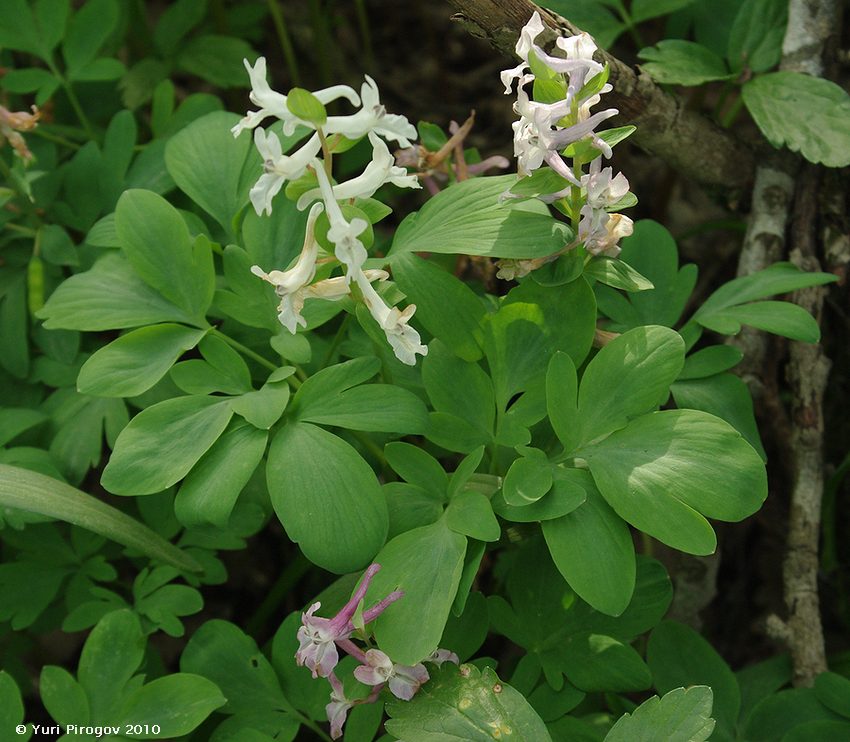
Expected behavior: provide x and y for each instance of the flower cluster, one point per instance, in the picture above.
(12, 122)
(295, 285)
(545, 131)
(320, 640)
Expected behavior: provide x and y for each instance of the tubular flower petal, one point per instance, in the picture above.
(291, 285)
(403, 339)
(272, 103)
(372, 116)
(380, 170)
(278, 168)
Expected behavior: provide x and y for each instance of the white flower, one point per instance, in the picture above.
(601, 231)
(273, 103)
(278, 168)
(290, 285)
(527, 34)
(372, 116)
(345, 235)
(405, 340)
(603, 190)
(380, 170)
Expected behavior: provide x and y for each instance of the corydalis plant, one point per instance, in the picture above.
(559, 130)
(347, 226)
(319, 641)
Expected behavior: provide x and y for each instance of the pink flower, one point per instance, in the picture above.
(318, 636)
(403, 680)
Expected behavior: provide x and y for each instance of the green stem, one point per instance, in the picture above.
(27, 231)
(45, 134)
(729, 117)
(286, 580)
(14, 182)
(285, 41)
(371, 447)
(244, 350)
(340, 333)
(365, 33)
(72, 97)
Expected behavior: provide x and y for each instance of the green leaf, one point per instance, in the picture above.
(16, 420)
(779, 278)
(592, 548)
(304, 105)
(110, 657)
(11, 705)
(660, 474)
(263, 408)
(63, 697)
(216, 59)
(225, 655)
(222, 370)
(156, 241)
(527, 480)
(833, 691)
(677, 62)
(595, 662)
(710, 361)
(445, 306)
(561, 398)
(630, 376)
(618, 274)
(219, 184)
(565, 496)
(468, 218)
(465, 703)
(678, 655)
(425, 563)
(755, 41)
(592, 17)
(727, 397)
(459, 387)
(682, 715)
(97, 70)
(808, 115)
(18, 30)
(175, 22)
(418, 467)
(652, 251)
(36, 493)
(818, 731)
(778, 317)
(370, 407)
(133, 363)
(471, 514)
(27, 80)
(529, 328)
(209, 492)
(643, 10)
(176, 704)
(785, 711)
(163, 442)
(88, 30)
(327, 497)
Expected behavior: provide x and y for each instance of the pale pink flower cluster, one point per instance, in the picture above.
(544, 130)
(319, 641)
(294, 286)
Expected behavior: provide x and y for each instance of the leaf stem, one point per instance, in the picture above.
(244, 350)
(285, 41)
